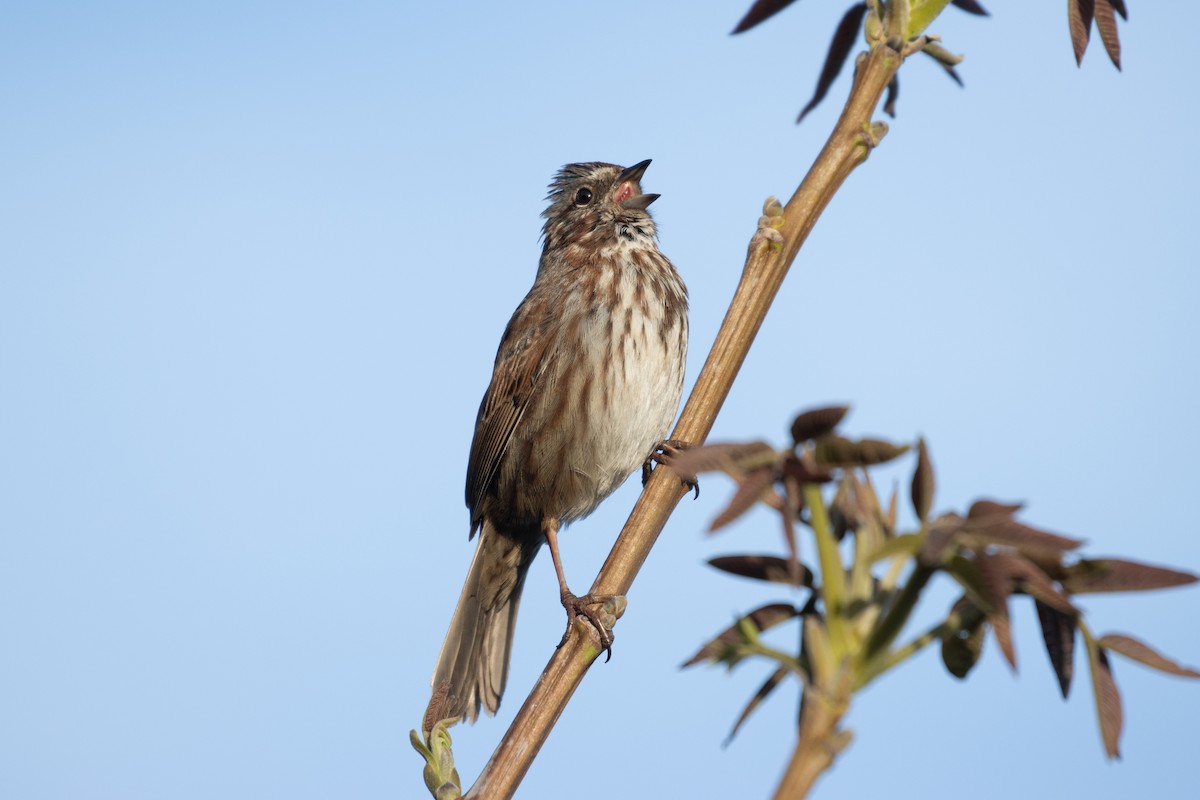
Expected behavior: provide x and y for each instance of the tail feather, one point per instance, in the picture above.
(474, 660)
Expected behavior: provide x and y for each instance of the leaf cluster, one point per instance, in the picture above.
(869, 575)
(919, 13)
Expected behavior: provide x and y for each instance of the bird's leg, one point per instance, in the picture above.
(663, 452)
(583, 606)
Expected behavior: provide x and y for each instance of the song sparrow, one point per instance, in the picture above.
(585, 386)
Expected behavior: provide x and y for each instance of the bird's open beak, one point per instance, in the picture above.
(627, 187)
(634, 173)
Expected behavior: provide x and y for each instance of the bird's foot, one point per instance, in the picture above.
(664, 451)
(601, 610)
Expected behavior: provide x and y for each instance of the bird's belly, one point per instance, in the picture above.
(622, 416)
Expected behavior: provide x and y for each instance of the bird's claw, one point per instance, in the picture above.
(601, 610)
(664, 452)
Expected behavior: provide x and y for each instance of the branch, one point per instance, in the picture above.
(847, 147)
(821, 739)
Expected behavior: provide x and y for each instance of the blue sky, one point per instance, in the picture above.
(255, 259)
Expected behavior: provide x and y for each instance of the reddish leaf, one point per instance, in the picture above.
(1028, 578)
(1058, 632)
(762, 568)
(1108, 701)
(923, 484)
(1010, 533)
(943, 533)
(1145, 654)
(761, 10)
(816, 422)
(803, 469)
(971, 7)
(750, 490)
(762, 618)
(1118, 575)
(839, 50)
(878, 451)
(793, 501)
(1079, 18)
(961, 649)
(848, 509)
(998, 585)
(889, 518)
(981, 509)
(1003, 629)
(838, 451)
(728, 457)
(996, 575)
(769, 686)
(1106, 23)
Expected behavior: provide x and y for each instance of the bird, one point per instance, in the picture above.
(587, 380)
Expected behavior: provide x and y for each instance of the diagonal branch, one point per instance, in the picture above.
(766, 266)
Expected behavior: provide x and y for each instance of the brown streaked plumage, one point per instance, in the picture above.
(586, 383)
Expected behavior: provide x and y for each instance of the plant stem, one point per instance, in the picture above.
(821, 740)
(882, 662)
(833, 575)
(763, 274)
(893, 620)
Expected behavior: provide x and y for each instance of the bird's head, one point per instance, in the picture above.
(597, 200)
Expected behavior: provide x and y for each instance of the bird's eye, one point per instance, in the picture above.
(583, 197)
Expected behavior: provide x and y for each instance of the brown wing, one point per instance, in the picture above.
(519, 364)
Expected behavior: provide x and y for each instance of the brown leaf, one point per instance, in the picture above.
(1145, 654)
(1079, 18)
(762, 618)
(1058, 632)
(803, 469)
(847, 510)
(793, 501)
(844, 37)
(768, 686)
(731, 457)
(762, 568)
(961, 649)
(982, 509)
(1008, 532)
(1106, 23)
(923, 484)
(816, 422)
(889, 519)
(750, 490)
(838, 451)
(1119, 575)
(971, 7)
(1028, 578)
(1108, 700)
(1003, 629)
(943, 534)
(996, 575)
(997, 583)
(878, 451)
(760, 11)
